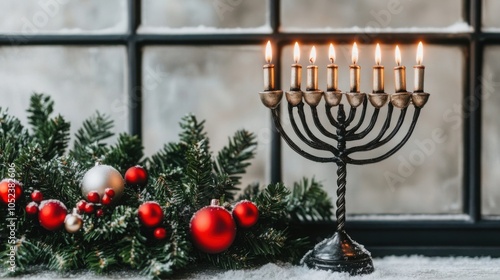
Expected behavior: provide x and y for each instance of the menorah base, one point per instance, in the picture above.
(340, 254)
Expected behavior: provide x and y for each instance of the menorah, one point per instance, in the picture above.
(340, 252)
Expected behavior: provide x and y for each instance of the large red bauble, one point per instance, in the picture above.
(150, 214)
(246, 214)
(51, 214)
(6, 196)
(213, 229)
(136, 176)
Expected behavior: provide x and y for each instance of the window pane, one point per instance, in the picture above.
(80, 80)
(491, 132)
(491, 21)
(425, 176)
(217, 84)
(57, 16)
(388, 15)
(199, 16)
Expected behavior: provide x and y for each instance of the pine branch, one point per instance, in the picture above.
(309, 202)
(89, 145)
(126, 153)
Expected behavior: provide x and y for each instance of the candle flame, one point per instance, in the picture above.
(398, 56)
(296, 53)
(331, 53)
(312, 55)
(420, 53)
(269, 52)
(378, 55)
(354, 53)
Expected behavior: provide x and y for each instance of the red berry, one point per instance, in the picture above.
(89, 208)
(150, 214)
(99, 213)
(160, 233)
(32, 208)
(81, 205)
(106, 200)
(37, 196)
(93, 197)
(110, 192)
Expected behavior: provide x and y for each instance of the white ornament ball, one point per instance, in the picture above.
(101, 177)
(73, 223)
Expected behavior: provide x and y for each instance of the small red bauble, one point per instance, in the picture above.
(150, 214)
(51, 214)
(81, 205)
(93, 197)
(109, 192)
(212, 228)
(136, 176)
(89, 208)
(99, 213)
(37, 196)
(10, 191)
(160, 233)
(32, 208)
(245, 213)
(106, 200)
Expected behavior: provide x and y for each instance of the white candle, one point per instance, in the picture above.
(399, 73)
(419, 69)
(268, 69)
(354, 70)
(378, 72)
(296, 69)
(331, 71)
(312, 72)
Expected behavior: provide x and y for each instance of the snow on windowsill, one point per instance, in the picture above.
(409, 217)
(114, 30)
(491, 29)
(203, 30)
(458, 27)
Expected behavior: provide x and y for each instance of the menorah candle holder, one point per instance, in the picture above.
(340, 252)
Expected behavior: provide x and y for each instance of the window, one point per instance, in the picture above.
(146, 63)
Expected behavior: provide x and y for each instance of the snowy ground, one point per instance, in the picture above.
(393, 268)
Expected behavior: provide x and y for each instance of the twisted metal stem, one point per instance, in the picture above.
(341, 169)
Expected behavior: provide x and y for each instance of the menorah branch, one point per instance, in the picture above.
(361, 119)
(300, 109)
(353, 136)
(320, 126)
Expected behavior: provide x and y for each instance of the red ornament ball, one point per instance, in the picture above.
(81, 205)
(160, 233)
(51, 214)
(10, 191)
(32, 208)
(245, 213)
(93, 197)
(89, 208)
(106, 200)
(213, 229)
(150, 214)
(137, 176)
(37, 196)
(109, 192)
(99, 213)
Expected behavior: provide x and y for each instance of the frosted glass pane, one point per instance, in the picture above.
(491, 132)
(425, 176)
(80, 80)
(218, 84)
(383, 14)
(491, 20)
(201, 16)
(63, 16)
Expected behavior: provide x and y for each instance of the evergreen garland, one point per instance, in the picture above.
(184, 177)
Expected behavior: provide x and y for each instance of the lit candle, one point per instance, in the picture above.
(312, 71)
(268, 69)
(378, 72)
(419, 69)
(354, 70)
(399, 74)
(296, 69)
(332, 71)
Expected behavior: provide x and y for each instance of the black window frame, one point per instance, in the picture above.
(471, 237)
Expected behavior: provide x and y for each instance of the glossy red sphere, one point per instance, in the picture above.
(246, 214)
(89, 208)
(93, 197)
(99, 213)
(160, 233)
(32, 208)
(81, 205)
(109, 192)
(51, 214)
(106, 200)
(136, 176)
(150, 214)
(213, 229)
(37, 196)
(7, 196)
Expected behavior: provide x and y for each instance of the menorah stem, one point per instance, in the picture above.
(341, 183)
